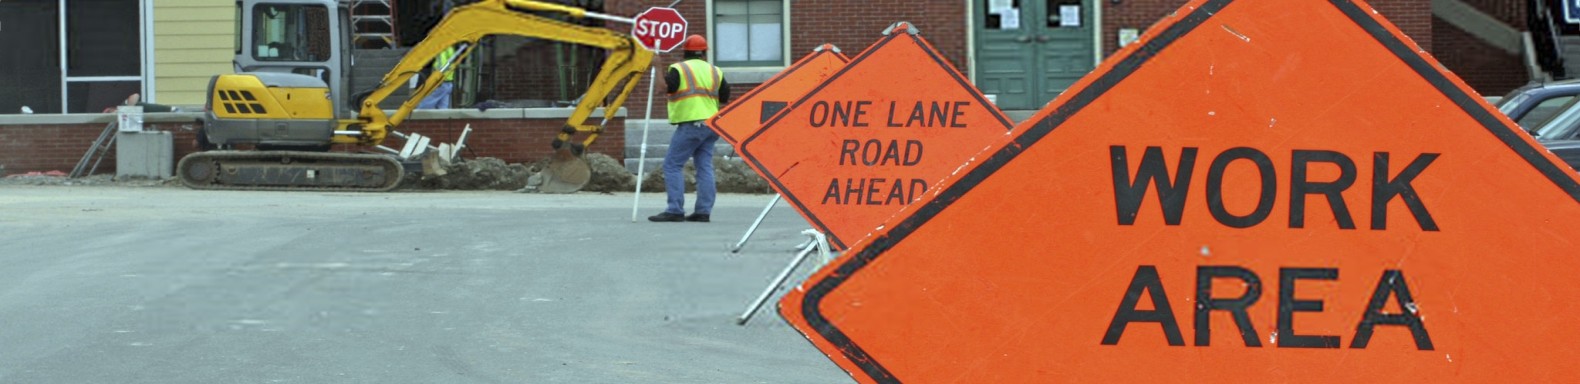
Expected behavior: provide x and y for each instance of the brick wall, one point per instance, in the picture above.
(855, 25)
(1485, 68)
(1489, 70)
(1413, 17)
(42, 148)
(27, 148)
(1132, 14)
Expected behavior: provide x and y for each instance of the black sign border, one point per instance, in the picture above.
(1405, 51)
(833, 239)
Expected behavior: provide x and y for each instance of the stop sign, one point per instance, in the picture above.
(660, 29)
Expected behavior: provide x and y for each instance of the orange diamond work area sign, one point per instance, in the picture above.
(874, 137)
(1257, 191)
(742, 118)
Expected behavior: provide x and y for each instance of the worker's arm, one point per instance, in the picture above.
(724, 92)
(671, 80)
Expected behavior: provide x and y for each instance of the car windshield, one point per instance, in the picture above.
(1559, 127)
(1537, 111)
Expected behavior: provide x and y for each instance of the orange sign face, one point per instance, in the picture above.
(874, 137)
(743, 116)
(1258, 191)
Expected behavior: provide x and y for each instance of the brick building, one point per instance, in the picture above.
(171, 48)
(1022, 51)
(1001, 45)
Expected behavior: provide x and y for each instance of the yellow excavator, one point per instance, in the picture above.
(289, 99)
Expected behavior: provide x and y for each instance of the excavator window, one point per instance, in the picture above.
(291, 32)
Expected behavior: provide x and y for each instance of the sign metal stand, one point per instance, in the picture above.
(815, 241)
(753, 229)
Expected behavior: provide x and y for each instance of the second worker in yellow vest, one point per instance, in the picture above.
(696, 91)
(440, 98)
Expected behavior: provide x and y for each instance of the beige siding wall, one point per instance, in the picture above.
(193, 41)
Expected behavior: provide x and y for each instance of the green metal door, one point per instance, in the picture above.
(1027, 51)
(1064, 45)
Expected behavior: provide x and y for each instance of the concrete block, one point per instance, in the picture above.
(146, 154)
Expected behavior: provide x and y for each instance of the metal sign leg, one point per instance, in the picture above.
(817, 242)
(755, 224)
(799, 257)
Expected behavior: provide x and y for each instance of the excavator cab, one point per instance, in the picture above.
(304, 37)
(289, 89)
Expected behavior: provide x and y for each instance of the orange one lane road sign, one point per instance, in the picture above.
(874, 137)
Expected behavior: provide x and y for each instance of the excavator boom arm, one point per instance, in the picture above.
(468, 24)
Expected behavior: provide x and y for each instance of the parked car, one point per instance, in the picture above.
(1568, 150)
(1550, 112)
(1536, 103)
(1562, 126)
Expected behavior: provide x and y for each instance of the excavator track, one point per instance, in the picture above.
(290, 171)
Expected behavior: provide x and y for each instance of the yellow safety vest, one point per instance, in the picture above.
(697, 98)
(445, 56)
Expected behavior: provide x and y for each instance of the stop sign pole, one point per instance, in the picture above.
(659, 29)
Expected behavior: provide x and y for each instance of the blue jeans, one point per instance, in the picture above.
(693, 141)
(439, 99)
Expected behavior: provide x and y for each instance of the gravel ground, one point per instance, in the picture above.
(481, 174)
(89, 181)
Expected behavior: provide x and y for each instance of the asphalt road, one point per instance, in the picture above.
(168, 285)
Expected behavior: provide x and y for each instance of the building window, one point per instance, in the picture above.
(104, 61)
(71, 56)
(748, 33)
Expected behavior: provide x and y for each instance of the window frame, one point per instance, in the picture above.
(145, 74)
(784, 42)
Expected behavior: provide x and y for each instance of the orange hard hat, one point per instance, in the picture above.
(696, 43)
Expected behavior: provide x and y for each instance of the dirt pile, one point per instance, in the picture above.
(734, 176)
(489, 173)
(730, 176)
(484, 173)
(608, 175)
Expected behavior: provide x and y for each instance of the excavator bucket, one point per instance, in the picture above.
(566, 173)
